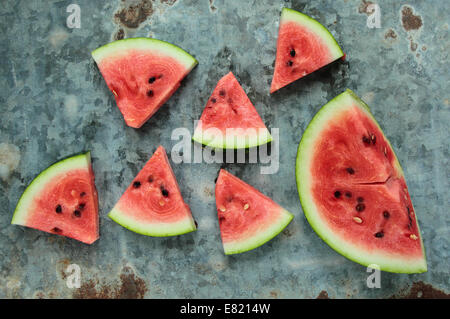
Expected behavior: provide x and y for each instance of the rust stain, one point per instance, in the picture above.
(62, 266)
(133, 15)
(274, 294)
(129, 286)
(421, 290)
(390, 34)
(208, 192)
(409, 20)
(364, 7)
(413, 46)
(323, 295)
(120, 34)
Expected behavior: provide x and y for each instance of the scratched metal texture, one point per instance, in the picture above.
(54, 102)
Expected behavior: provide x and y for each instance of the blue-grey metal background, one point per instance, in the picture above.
(54, 102)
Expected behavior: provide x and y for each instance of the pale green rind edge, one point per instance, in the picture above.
(184, 226)
(261, 238)
(238, 142)
(301, 18)
(386, 263)
(73, 162)
(166, 48)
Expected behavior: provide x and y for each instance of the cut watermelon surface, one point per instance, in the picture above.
(353, 191)
(152, 205)
(247, 218)
(229, 119)
(303, 46)
(62, 200)
(142, 74)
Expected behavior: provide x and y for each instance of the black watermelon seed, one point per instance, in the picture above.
(58, 209)
(56, 230)
(222, 93)
(360, 207)
(77, 213)
(152, 79)
(348, 194)
(366, 140)
(292, 53)
(380, 234)
(289, 63)
(150, 179)
(350, 170)
(386, 214)
(165, 192)
(81, 206)
(337, 194)
(82, 194)
(137, 184)
(360, 199)
(213, 100)
(150, 93)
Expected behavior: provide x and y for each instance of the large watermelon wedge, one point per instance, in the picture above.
(229, 119)
(142, 74)
(303, 46)
(353, 191)
(247, 218)
(62, 200)
(152, 205)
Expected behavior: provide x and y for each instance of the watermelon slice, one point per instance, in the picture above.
(152, 205)
(303, 46)
(247, 218)
(229, 119)
(62, 200)
(353, 191)
(142, 74)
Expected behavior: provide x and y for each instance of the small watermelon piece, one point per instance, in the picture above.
(230, 120)
(142, 74)
(353, 191)
(247, 218)
(152, 205)
(303, 46)
(62, 200)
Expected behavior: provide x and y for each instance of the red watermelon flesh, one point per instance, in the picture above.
(142, 74)
(230, 108)
(353, 191)
(303, 46)
(62, 200)
(247, 218)
(152, 204)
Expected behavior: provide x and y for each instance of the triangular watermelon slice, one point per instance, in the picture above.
(152, 205)
(303, 46)
(62, 200)
(247, 218)
(353, 191)
(229, 119)
(142, 74)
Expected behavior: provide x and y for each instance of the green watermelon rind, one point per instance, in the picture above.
(82, 160)
(388, 263)
(315, 26)
(182, 227)
(121, 46)
(233, 141)
(262, 238)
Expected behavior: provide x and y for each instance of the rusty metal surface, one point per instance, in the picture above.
(54, 102)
